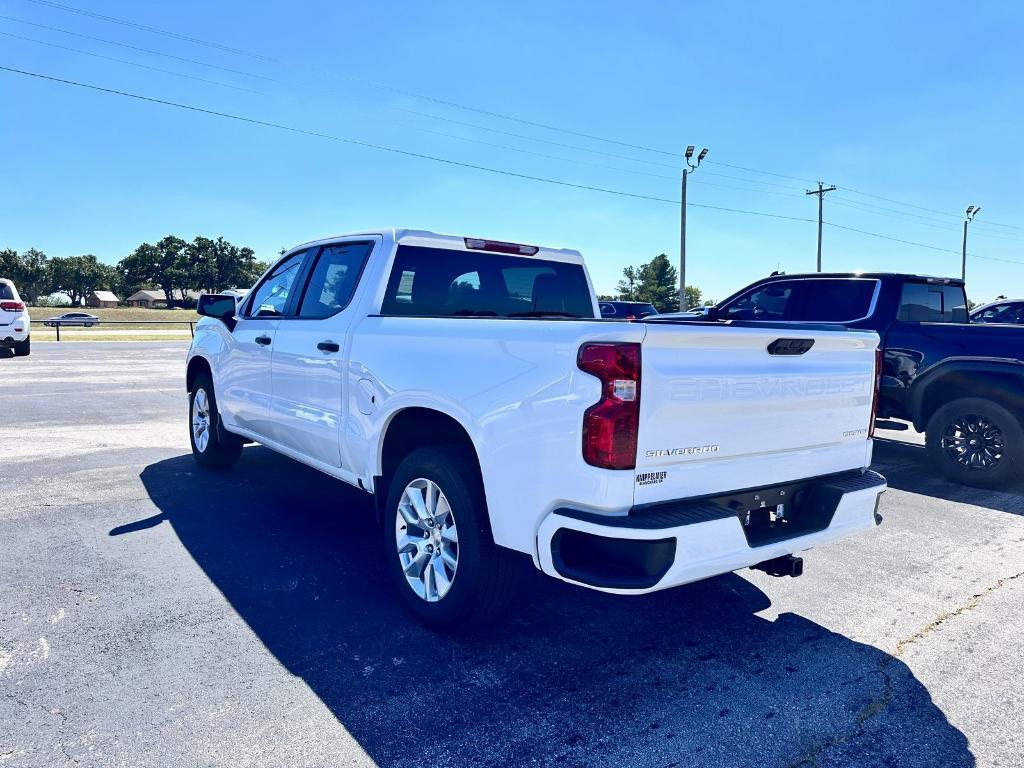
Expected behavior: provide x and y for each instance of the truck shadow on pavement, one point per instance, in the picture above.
(690, 676)
(907, 468)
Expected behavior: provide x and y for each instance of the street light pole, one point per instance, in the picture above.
(690, 167)
(971, 213)
(682, 246)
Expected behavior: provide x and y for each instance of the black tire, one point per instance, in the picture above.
(23, 348)
(222, 448)
(485, 579)
(974, 441)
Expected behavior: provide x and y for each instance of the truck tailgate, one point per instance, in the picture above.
(719, 412)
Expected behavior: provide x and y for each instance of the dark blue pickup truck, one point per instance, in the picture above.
(961, 383)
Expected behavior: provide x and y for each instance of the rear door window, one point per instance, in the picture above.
(933, 303)
(333, 279)
(442, 282)
(835, 301)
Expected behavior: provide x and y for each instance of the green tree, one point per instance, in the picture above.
(138, 269)
(10, 264)
(32, 275)
(659, 284)
(215, 265)
(629, 285)
(656, 282)
(164, 265)
(77, 276)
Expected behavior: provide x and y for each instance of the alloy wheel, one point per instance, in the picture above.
(201, 420)
(427, 539)
(974, 442)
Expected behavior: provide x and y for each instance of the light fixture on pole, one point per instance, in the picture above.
(690, 167)
(972, 211)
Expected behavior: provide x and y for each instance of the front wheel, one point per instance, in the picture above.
(975, 441)
(443, 560)
(212, 446)
(23, 348)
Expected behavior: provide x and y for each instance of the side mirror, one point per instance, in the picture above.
(711, 314)
(219, 306)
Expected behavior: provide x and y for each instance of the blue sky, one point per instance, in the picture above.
(916, 102)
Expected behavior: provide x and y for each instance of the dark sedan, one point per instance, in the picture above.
(72, 318)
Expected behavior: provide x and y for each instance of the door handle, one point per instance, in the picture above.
(264, 340)
(328, 346)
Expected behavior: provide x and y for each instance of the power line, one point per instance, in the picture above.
(129, 63)
(402, 125)
(477, 110)
(919, 245)
(766, 173)
(457, 163)
(271, 59)
(140, 49)
(154, 30)
(405, 110)
(385, 148)
(355, 142)
(922, 208)
(922, 221)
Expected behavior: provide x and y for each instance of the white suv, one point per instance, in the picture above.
(14, 321)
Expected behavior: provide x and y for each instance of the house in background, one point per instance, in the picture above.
(147, 298)
(151, 298)
(101, 300)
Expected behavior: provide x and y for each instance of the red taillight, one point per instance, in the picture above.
(12, 306)
(610, 426)
(877, 393)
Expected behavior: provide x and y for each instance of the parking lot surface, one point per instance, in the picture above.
(152, 614)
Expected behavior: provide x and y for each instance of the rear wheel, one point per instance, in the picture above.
(437, 541)
(976, 442)
(23, 348)
(212, 446)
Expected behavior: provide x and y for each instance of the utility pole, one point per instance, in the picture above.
(971, 213)
(820, 192)
(690, 167)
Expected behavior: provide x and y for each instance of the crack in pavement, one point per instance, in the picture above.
(880, 703)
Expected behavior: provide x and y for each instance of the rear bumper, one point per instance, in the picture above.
(657, 546)
(9, 336)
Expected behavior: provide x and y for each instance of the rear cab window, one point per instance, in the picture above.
(808, 300)
(443, 282)
(933, 303)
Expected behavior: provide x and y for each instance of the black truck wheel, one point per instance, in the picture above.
(975, 441)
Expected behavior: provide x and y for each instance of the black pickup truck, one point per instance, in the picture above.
(961, 383)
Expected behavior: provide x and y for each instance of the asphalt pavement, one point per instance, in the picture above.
(152, 614)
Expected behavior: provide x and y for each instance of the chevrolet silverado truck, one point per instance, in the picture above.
(472, 388)
(960, 382)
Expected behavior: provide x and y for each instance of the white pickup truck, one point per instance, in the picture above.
(471, 387)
